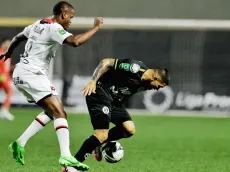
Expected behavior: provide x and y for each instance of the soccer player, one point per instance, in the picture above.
(31, 76)
(5, 81)
(113, 82)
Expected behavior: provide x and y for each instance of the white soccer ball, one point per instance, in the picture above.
(69, 169)
(112, 152)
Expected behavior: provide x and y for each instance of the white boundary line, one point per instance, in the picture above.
(173, 113)
(155, 23)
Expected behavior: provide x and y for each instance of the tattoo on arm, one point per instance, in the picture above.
(102, 68)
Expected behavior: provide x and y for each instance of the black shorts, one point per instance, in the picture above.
(102, 111)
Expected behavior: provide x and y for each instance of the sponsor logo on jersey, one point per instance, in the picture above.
(125, 66)
(105, 110)
(134, 68)
(62, 32)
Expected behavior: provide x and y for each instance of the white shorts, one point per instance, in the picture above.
(33, 83)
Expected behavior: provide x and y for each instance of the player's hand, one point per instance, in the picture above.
(5, 55)
(98, 21)
(89, 88)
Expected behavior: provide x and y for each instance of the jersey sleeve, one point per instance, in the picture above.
(26, 31)
(129, 65)
(58, 34)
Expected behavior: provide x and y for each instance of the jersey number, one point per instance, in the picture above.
(26, 53)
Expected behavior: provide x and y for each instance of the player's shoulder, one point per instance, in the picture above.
(129, 64)
(137, 65)
(56, 25)
(131, 61)
(35, 23)
(48, 22)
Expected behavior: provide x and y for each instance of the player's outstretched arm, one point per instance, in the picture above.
(80, 39)
(14, 43)
(103, 67)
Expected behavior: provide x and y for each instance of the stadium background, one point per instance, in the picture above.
(190, 38)
(196, 54)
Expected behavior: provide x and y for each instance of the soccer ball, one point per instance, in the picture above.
(69, 169)
(112, 152)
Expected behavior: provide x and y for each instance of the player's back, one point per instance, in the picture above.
(124, 79)
(43, 38)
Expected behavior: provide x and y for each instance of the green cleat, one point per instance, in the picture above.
(72, 162)
(18, 152)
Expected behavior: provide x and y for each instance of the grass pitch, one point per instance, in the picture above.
(161, 144)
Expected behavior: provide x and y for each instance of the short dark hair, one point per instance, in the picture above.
(59, 7)
(164, 74)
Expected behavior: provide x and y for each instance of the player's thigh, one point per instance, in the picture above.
(119, 115)
(121, 118)
(99, 113)
(33, 86)
(37, 88)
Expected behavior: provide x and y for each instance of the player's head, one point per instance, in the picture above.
(63, 12)
(160, 78)
(5, 43)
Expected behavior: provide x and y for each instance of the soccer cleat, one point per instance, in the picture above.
(18, 152)
(97, 153)
(72, 162)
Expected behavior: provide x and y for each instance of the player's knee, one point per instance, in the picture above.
(102, 136)
(57, 111)
(50, 116)
(130, 131)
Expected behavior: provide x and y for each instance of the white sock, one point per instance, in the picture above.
(61, 126)
(38, 124)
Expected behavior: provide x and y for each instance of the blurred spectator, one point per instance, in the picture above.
(67, 81)
(5, 81)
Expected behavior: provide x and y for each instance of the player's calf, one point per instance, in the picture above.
(101, 134)
(54, 107)
(87, 148)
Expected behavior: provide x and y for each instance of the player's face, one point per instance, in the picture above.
(157, 83)
(68, 15)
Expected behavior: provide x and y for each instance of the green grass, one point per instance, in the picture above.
(161, 144)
